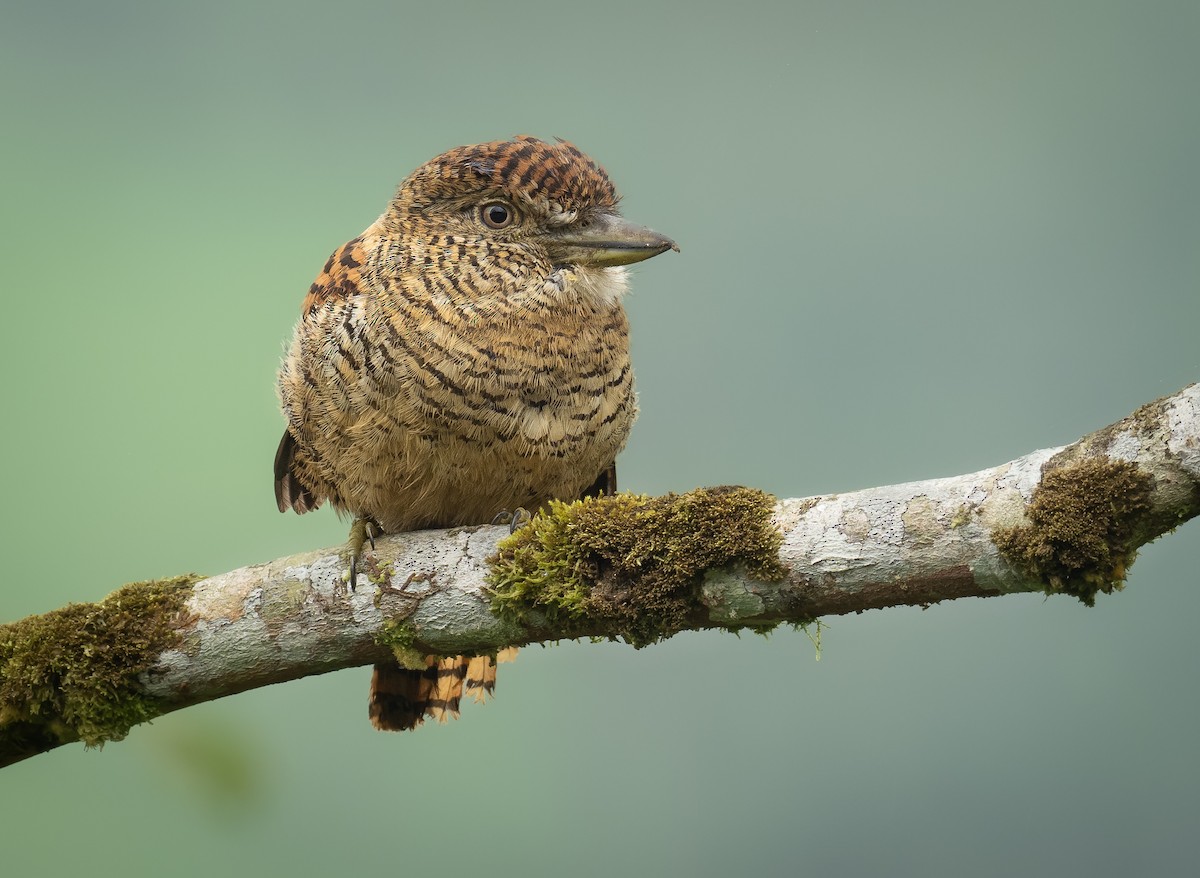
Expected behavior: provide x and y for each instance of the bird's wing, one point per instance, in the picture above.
(338, 282)
(290, 493)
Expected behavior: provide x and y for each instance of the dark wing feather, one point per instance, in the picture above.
(605, 484)
(289, 492)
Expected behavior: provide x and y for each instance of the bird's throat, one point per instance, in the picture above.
(599, 288)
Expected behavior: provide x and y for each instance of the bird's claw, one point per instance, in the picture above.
(515, 520)
(520, 518)
(363, 531)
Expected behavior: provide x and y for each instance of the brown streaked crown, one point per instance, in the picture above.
(555, 177)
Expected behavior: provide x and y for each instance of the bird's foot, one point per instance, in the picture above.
(363, 531)
(515, 520)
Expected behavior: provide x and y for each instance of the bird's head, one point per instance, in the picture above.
(544, 209)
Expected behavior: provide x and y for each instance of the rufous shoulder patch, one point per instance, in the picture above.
(341, 277)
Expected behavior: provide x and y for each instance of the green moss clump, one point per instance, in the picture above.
(1082, 521)
(72, 674)
(629, 567)
(401, 638)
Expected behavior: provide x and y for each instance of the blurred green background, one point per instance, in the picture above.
(918, 239)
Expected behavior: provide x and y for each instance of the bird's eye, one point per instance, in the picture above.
(497, 215)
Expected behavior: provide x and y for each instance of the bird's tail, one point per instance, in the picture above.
(402, 698)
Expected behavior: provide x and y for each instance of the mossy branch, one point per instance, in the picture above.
(639, 569)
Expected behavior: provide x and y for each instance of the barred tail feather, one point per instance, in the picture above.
(508, 654)
(447, 688)
(481, 678)
(401, 698)
(399, 695)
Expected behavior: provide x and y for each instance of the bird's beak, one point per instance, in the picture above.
(606, 240)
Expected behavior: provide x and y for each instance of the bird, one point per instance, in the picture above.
(467, 354)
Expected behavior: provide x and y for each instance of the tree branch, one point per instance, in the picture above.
(1060, 520)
